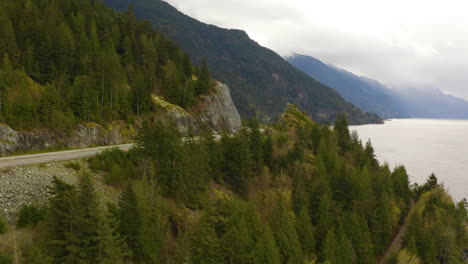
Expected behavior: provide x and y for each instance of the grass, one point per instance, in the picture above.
(73, 165)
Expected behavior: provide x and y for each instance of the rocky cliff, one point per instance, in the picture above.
(219, 111)
(84, 135)
(216, 110)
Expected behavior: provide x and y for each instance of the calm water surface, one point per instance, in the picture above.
(424, 146)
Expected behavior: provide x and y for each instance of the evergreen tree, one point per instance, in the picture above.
(341, 128)
(256, 147)
(284, 229)
(204, 246)
(204, 79)
(306, 232)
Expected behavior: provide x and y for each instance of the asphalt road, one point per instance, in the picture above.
(15, 161)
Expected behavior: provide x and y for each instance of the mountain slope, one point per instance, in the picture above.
(370, 95)
(262, 82)
(365, 93)
(431, 103)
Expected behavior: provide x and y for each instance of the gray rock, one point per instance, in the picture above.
(217, 111)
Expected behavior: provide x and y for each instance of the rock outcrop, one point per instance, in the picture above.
(84, 135)
(219, 111)
(216, 110)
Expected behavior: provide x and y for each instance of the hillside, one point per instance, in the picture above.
(66, 62)
(297, 192)
(76, 73)
(431, 103)
(372, 96)
(367, 94)
(262, 82)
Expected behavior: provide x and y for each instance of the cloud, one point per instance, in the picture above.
(401, 43)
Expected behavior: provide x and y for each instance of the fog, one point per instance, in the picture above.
(403, 44)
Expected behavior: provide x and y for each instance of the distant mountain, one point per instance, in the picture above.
(431, 103)
(262, 82)
(370, 95)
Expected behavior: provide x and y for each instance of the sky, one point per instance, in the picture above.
(401, 43)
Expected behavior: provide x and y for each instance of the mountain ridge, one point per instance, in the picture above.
(261, 81)
(371, 95)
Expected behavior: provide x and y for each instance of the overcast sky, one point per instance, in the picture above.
(402, 43)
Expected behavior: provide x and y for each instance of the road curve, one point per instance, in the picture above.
(23, 160)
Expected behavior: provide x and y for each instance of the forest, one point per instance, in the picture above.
(297, 192)
(69, 61)
(292, 192)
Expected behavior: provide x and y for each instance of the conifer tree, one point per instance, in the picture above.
(204, 246)
(306, 232)
(256, 147)
(283, 226)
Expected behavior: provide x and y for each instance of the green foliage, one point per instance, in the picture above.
(243, 237)
(283, 226)
(77, 229)
(204, 245)
(141, 218)
(30, 215)
(437, 228)
(181, 167)
(5, 258)
(78, 61)
(73, 165)
(429, 185)
(196, 199)
(117, 165)
(3, 225)
(37, 255)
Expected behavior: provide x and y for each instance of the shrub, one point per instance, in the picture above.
(73, 165)
(30, 215)
(5, 258)
(3, 225)
(117, 165)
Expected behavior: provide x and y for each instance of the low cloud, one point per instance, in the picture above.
(400, 43)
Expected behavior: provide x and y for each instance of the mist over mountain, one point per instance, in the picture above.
(370, 95)
(431, 103)
(365, 93)
(261, 81)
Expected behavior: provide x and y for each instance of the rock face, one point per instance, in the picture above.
(219, 110)
(216, 110)
(84, 135)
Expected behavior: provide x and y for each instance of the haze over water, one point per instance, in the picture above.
(424, 146)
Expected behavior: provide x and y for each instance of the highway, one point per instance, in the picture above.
(23, 160)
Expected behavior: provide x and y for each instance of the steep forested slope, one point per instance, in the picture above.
(437, 228)
(296, 193)
(66, 61)
(261, 81)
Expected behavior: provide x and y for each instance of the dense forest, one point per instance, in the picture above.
(298, 192)
(68, 61)
(436, 228)
(292, 193)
